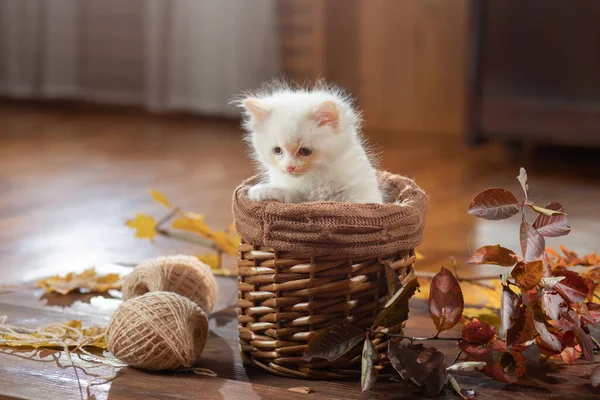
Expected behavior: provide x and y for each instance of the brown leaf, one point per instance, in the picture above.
(553, 304)
(485, 354)
(369, 373)
(512, 363)
(333, 342)
(573, 288)
(392, 281)
(426, 366)
(549, 338)
(301, 389)
(569, 355)
(446, 301)
(595, 377)
(509, 309)
(527, 275)
(396, 309)
(553, 225)
(478, 332)
(494, 204)
(518, 324)
(569, 321)
(495, 255)
(532, 243)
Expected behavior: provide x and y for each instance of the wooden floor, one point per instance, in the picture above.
(70, 176)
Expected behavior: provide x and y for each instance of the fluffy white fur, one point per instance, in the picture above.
(321, 122)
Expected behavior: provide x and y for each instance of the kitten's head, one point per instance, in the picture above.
(299, 131)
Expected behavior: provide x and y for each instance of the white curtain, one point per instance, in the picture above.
(164, 54)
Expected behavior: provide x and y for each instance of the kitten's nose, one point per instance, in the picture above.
(290, 168)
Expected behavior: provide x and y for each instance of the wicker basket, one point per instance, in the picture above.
(305, 267)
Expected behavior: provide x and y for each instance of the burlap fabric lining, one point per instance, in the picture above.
(335, 228)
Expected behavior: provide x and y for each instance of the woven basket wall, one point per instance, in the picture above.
(333, 273)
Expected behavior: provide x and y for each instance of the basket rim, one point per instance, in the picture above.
(329, 227)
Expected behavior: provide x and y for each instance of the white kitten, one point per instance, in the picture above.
(307, 143)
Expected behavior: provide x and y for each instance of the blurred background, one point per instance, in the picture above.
(101, 99)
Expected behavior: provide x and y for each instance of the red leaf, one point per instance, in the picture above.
(513, 363)
(595, 377)
(552, 226)
(494, 204)
(528, 274)
(518, 324)
(485, 354)
(549, 339)
(478, 332)
(553, 304)
(527, 330)
(569, 321)
(573, 288)
(591, 313)
(509, 309)
(532, 243)
(495, 255)
(446, 302)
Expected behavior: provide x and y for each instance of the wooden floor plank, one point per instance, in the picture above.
(71, 176)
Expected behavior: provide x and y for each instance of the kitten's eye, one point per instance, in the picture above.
(277, 150)
(305, 151)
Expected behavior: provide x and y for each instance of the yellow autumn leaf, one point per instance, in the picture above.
(212, 260)
(53, 336)
(225, 242)
(192, 222)
(160, 198)
(483, 314)
(419, 256)
(88, 280)
(145, 226)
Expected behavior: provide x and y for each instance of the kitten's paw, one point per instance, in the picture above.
(262, 192)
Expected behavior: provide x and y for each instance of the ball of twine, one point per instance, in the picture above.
(157, 331)
(185, 275)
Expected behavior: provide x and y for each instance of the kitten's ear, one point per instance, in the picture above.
(256, 108)
(327, 114)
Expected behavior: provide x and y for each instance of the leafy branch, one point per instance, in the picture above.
(190, 228)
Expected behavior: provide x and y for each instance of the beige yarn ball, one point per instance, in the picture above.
(185, 275)
(157, 331)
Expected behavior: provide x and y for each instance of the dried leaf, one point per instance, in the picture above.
(509, 311)
(70, 334)
(160, 198)
(302, 389)
(573, 288)
(478, 332)
(425, 366)
(548, 283)
(144, 225)
(191, 222)
(446, 301)
(87, 280)
(528, 275)
(396, 309)
(333, 342)
(569, 355)
(545, 211)
(552, 225)
(512, 363)
(532, 243)
(467, 366)
(595, 377)
(569, 321)
(494, 204)
(522, 178)
(549, 338)
(494, 255)
(369, 373)
(553, 304)
(486, 355)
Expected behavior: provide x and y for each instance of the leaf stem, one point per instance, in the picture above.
(187, 237)
(456, 358)
(167, 217)
(422, 339)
